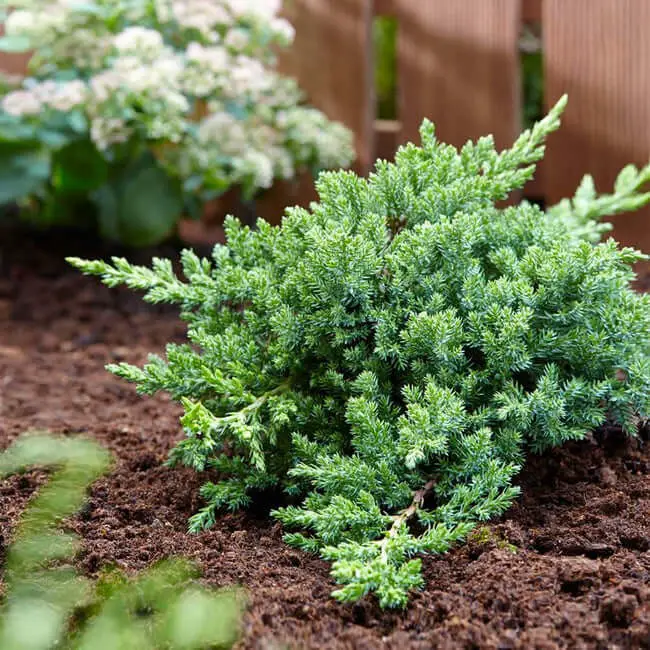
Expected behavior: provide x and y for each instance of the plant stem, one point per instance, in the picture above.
(263, 398)
(404, 516)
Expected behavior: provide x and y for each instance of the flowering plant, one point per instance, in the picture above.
(142, 110)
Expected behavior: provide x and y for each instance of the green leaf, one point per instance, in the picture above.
(141, 206)
(199, 619)
(192, 183)
(90, 8)
(60, 76)
(237, 110)
(77, 122)
(15, 44)
(107, 202)
(193, 206)
(627, 179)
(587, 189)
(55, 212)
(79, 168)
(23, 169)
(13, 129)
(53, 139)
(152, 204)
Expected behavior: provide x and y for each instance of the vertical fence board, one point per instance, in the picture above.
(331, 59)
(532, 10)
(384, 7)
(597, 52)
(459, 67)
(12, 63)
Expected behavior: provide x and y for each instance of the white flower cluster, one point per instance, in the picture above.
(146, 44)
(64, 96)
(255, 148)
(199, 89)
(210, 18)
(206, 69)
(21, 102)
(108, 131)
(140, 95)
(82, 49)
(203, 16)
(37, 25)
(314, 138)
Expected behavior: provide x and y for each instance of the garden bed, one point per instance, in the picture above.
(566, 567)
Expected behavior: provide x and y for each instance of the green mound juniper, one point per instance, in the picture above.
(389, 357)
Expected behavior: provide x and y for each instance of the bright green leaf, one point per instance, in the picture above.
(78, 168)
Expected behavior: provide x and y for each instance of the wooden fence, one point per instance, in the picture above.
(458, 63)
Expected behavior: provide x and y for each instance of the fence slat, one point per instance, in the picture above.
(596, 51)
(384, 7)
(458, 66)
(12, 63)
(532, 11)
(332, 61)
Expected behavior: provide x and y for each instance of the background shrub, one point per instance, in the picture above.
(136, 112)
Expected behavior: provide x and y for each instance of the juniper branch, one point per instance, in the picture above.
(401, 519)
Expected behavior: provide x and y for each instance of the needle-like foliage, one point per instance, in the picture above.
(389, 357)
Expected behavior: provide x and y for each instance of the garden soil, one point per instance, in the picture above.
(567, 566)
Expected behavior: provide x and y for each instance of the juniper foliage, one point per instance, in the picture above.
(389, 357)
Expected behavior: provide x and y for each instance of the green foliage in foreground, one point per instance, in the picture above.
(390, 357)
(161, 608)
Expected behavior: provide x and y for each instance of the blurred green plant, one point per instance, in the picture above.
(385, 46)
(48, 605)
(533, 80)
(532, 75)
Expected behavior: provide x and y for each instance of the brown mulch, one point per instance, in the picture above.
(568, 566)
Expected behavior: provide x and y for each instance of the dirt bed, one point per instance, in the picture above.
(568, 566)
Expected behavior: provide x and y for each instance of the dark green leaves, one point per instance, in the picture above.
(14, 130)
(136, 203)
(24, 169)
(140, 205)
(78, 168)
